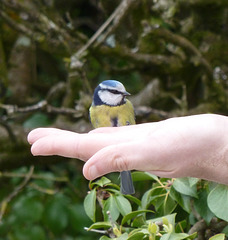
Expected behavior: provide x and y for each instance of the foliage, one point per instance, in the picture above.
(171, 56)
(45, 210)
(166, 211)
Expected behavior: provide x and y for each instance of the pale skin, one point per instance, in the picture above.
(193, 146)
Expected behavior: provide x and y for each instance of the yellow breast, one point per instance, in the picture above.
(106, 116)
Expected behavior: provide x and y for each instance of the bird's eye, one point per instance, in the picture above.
(114, 91)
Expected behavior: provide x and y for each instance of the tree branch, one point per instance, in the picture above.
(114, 18)
(16, 191)
(142, 60)
(180, 41)
(17, 26)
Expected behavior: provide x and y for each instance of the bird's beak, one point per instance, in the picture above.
(126, 93)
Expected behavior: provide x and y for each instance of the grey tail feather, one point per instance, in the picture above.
(126, 183)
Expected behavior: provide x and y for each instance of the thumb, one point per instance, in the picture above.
(114, 158)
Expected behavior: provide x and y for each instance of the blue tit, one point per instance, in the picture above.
(110, 108)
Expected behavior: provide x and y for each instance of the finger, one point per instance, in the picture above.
(37, 133)
(118, 157)
(69, 144)
(63, 145)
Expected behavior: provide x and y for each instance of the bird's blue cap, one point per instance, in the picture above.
(111, 83)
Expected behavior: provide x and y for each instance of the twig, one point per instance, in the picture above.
(17, 26)
(43, 190)
(9, 130)
(117, 15)
(16, 191)
(142, 60)
(114, 17)
(96, 230)
(42, 105)
(180, 41)
(43, 26)
(33, 176)
(198, 227)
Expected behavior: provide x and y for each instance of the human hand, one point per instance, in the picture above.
(194, 146)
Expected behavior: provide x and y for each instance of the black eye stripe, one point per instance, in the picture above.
(114, 91)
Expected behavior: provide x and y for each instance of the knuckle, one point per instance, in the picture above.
(120, 162)
(51, 147)
(77, 149)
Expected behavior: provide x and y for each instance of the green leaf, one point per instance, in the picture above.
(217, 200)
(175, 236)
(138, 221)
(136, 236)
(123, 205)
(134, 199)
(184, 186)
(90, 205)
(182, 200)
(220, 236)
(150, 196)
(225, 230)
(146, 198)
(193, 181)
(143, 176)
(165, 205)
(123, 236)
(180, 226)
(110, 205)
(202, 208)
(131, 215)
(100, 182)
(105, 238)
(165, 236)
(170, 218)
(98, 225)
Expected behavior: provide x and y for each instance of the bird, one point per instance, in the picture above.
(111, 108)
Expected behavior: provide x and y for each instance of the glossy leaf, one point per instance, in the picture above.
(136, 236)
(143, 176)
(182, 200)
(133, 199)
(220, 236)
(134, 214)
(170, 218)
(123, 205)
(105, 238)
(101, 182)
(165, 204)
(90, 205)
(217, 200)
(202, 208)
(138, 221)
(124, 236)
(103, 225)
(111, 206)
(176, 236)
(185, 186)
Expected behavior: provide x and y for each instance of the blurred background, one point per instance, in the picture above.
(171, 55)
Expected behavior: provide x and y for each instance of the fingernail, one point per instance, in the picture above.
(93, 173)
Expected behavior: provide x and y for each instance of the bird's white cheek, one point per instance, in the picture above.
(109, 98)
